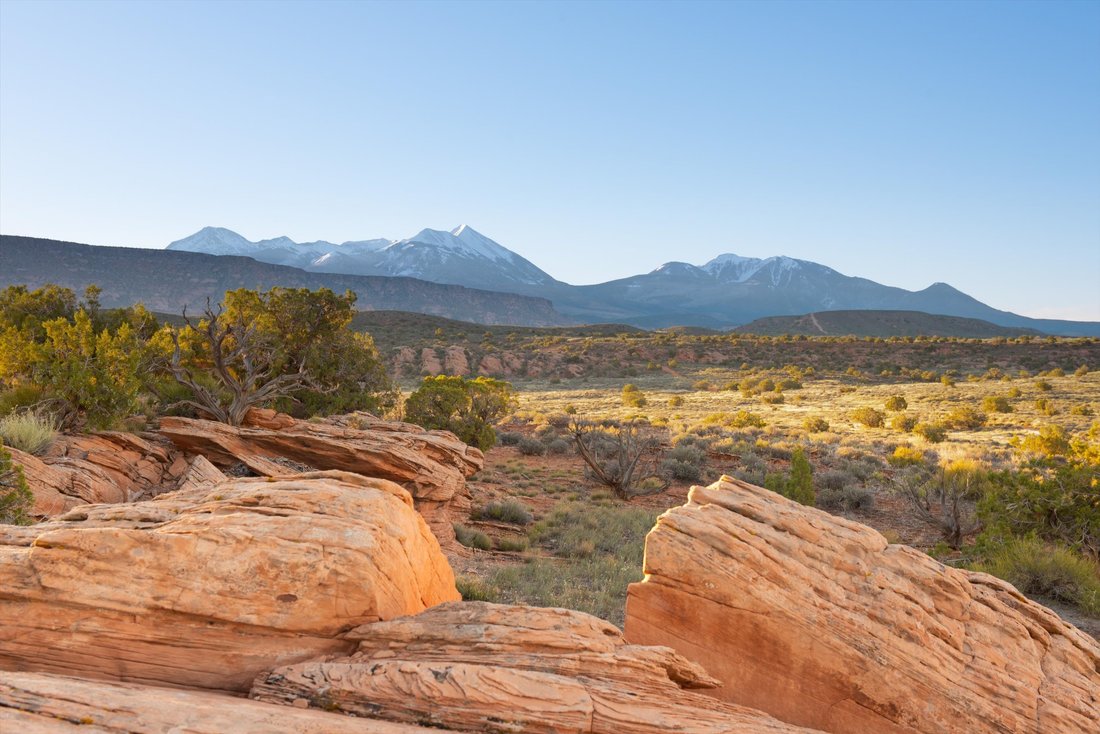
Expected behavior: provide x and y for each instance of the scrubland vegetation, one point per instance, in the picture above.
(984, 453)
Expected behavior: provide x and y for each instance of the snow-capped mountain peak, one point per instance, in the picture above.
(731, 268)
(462, 240)
(214, 241)
(462, 256)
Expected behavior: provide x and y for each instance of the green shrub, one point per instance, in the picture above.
(685, 462)
(851, 497)
(1043, 386)
(746, 419)
(904, 423)
(1051, 441)
(682, 470)
(16, 500)
(467, 408)
(513, 544)
(531, 446)
(675, 401)
(1051, 571)
(509, 438)
(835, 479)
(509, 511)
(474, 589)
(906, 456)
(798, 485)
(965, 418)
(559, 446)
(632, 396)
(869, 417)
(815, 424)
(29, 432)
(896, 403)
(931, 432)
(1046, 407)
(19, 398)
(996, 404)
(472, 538)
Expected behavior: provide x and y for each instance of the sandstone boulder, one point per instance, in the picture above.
(38, 703)
(481, 667)
(455, 361)
(207, 587)
(105, 467)
(431, 465)
(820, 622)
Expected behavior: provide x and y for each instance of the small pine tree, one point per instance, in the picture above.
(16, 499)
(799, 484)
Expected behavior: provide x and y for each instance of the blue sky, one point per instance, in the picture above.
(904, 142)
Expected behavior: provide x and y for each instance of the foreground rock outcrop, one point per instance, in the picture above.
(208, 587)
(39, 703)
(820, 622)
(482, 667)
(431, 465)
(106, 467)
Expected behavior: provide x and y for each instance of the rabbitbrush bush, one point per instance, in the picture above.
(30, 432)
(1047, 570)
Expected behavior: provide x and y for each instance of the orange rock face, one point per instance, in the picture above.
(103, 467)
(37, 703)
(481, 667)
(208, 587)
(431, 465)
(820, 622)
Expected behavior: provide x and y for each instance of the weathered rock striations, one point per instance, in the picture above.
(820, 622)
(105, 467)
(208, 587)
(431, 465)
(481, 667)
(39, 703)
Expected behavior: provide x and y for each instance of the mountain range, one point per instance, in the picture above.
(169, 281)
(726, 292)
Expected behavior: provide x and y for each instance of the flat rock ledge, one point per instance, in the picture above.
(821, 622)
(431, 465)
(479, 667)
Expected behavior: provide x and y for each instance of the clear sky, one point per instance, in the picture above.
(903, 142)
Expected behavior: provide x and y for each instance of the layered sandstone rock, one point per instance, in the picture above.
(819, 621)
(432, 465)
(481, 667)
(38, 703)
(105, 467)
(207, 587)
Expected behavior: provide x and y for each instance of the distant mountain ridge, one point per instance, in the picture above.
(726, 292)
(167, 281)
(880, 323)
